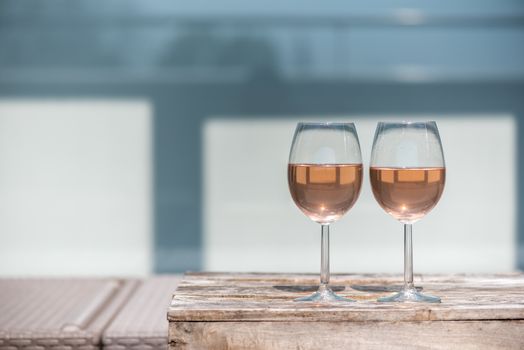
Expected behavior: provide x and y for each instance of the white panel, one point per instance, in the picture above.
(251, 223)
(75, 187)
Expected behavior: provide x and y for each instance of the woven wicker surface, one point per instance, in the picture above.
(58, 313)
(142, 323)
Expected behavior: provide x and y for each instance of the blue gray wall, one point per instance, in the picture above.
(208, 58)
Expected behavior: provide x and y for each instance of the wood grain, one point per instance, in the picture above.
(269, 297)
(257, 311)
(451, 335)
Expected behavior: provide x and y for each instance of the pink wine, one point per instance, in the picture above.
(407, 194)
(325, 192)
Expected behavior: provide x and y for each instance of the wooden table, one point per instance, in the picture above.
(257, 311)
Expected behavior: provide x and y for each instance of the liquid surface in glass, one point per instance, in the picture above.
(407, 194)
(324, 192)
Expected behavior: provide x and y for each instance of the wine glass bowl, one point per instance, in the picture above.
(407, 174)
(325, 178)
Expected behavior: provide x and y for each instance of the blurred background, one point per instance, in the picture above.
(141, 137)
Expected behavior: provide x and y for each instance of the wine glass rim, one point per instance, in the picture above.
(407, 122)
(327, 123)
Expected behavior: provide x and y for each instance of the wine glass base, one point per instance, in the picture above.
(410, 295)
(324, 294)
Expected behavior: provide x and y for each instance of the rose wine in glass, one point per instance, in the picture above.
(325, 192)
(407, 175)
(407, 194)
(325, 177)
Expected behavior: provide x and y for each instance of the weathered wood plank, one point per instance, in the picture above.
(461, 335)
(269, 297)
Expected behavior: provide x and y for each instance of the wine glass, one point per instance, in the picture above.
(325, 177)
(407, 174)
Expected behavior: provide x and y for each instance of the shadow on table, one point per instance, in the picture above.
(335, 288)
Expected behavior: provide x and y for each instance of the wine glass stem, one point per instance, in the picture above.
(408, 257)
(324, 255)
